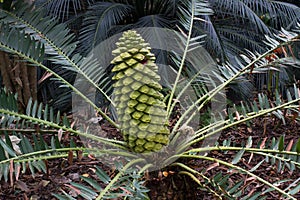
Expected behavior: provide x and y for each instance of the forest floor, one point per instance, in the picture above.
(168, 183)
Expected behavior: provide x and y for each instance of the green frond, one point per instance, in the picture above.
(239, 9)
(252, 18)
(55, 37)
(129, 186)
(99, 18)
(259, 108)
(275, 12)
(54, 123)
(236, 190)
(16, 147)
(8, 100)
(62, 9)
(12, 41)
(13, 141)
(36, 42)
(188, 12)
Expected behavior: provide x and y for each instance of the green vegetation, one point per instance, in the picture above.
(144, 114)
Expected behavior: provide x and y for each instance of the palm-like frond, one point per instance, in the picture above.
(238, 10)
(153, 21)
(17, 153)
(106, 18)
(54, 41)
(100, 18)
(14, 141)
(8, 100)
(130, 186)
(245, 16)
(236, 38)
(213, 42)
(43, 29)
(280, 14)
(245, 113)
(239, 25)
(62, 8)
(282, 156)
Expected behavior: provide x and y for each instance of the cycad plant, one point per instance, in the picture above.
(234, 27)
(143, 110)
(232, 21)
(242, 25)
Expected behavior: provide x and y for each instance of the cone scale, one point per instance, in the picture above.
(139, 102)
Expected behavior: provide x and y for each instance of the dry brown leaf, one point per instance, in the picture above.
(59, 134)
(73, 124)
(249, 129)
(17, 172)
(34, 197)
(212, 166)
(85, 175)
(251, 156)
(70, 157)
(44, 183)
(91, 156)
(11, 172)
(44, 77)
(74, 189)
(265, 127)
(160, 175)
(237, 115)
(250, 178)
(79, 155)
(290, 145)
(165, 173)
(263, 144)
(22, 186)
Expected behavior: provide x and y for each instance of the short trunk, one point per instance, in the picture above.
(18, 77)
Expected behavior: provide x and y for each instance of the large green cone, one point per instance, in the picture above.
(141, 111)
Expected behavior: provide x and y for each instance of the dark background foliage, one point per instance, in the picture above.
(236, 25)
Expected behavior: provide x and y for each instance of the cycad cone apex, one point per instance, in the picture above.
(141, 111)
